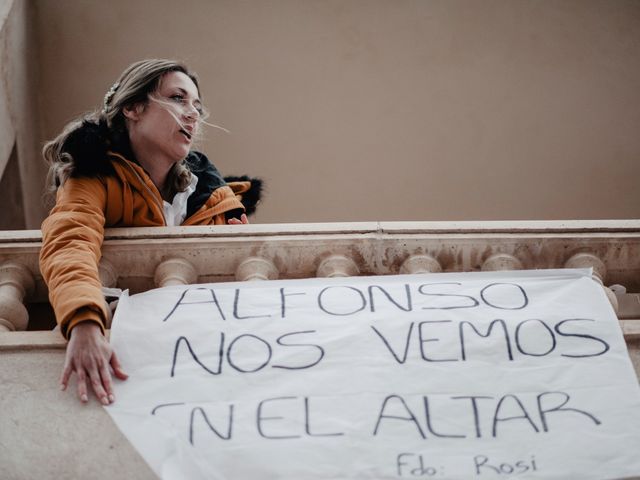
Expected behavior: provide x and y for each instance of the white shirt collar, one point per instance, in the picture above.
(176, 211)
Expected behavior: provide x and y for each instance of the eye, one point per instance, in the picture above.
(182, 100)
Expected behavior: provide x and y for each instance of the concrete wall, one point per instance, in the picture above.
(21, 167)
(12, 218)
(48, 434)
(385, 109)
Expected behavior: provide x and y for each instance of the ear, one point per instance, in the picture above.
(132, 112)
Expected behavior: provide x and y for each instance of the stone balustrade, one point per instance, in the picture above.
(139, 259)
(40, 442)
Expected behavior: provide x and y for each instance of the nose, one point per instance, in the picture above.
(191, 112)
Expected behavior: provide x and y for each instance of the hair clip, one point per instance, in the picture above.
(109, 96)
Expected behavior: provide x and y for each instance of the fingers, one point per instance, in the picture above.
(108, 384)
(243, 220)
(89, 356)
(98, 388)
(117, 368)
(100, 379)
(96, 384)
(64, 378)
(82, 386)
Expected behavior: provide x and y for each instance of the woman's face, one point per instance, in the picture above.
(166, 125)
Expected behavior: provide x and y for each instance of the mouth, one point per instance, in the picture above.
(186, 134)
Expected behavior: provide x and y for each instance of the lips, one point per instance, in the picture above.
(186, 133)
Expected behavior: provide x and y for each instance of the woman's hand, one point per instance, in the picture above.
(89, 355)
(235, 221)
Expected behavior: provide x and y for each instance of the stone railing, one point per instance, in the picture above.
(48, 434)
(143, 258)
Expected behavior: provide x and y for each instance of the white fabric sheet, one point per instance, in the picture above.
(444, 376)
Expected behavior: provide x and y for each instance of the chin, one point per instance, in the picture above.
(182, 154)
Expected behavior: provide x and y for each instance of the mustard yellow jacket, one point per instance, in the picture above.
(72, 235)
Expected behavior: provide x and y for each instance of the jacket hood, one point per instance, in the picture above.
(88, 146)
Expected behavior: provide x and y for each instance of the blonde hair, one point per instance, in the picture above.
(108, 125)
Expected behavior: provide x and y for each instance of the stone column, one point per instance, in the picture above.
(175, 271)
(256, 268)
(107, 273)
(420, 264)
(109, 279)
(586, 260)
(16, 281)
(499, 262)
(337, 265)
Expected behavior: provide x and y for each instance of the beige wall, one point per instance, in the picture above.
(47, 434)
(21, 168)
(385, 109)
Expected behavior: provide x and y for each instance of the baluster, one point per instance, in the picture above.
(499, 262)
(586, 260)
(107, 273)
(175, 271)
(256, 268)
(420, 264)
(337, 266)
(16, 281)
(109, 279)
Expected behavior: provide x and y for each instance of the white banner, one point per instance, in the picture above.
(443, 376)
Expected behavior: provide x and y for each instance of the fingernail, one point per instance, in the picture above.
(62, 386)
(112, 398)
(84, 398)
(105, 401)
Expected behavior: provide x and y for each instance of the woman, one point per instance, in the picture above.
(128, 165)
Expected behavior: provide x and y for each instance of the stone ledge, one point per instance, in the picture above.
(278, 229)
(25, 341)
(37, 340)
